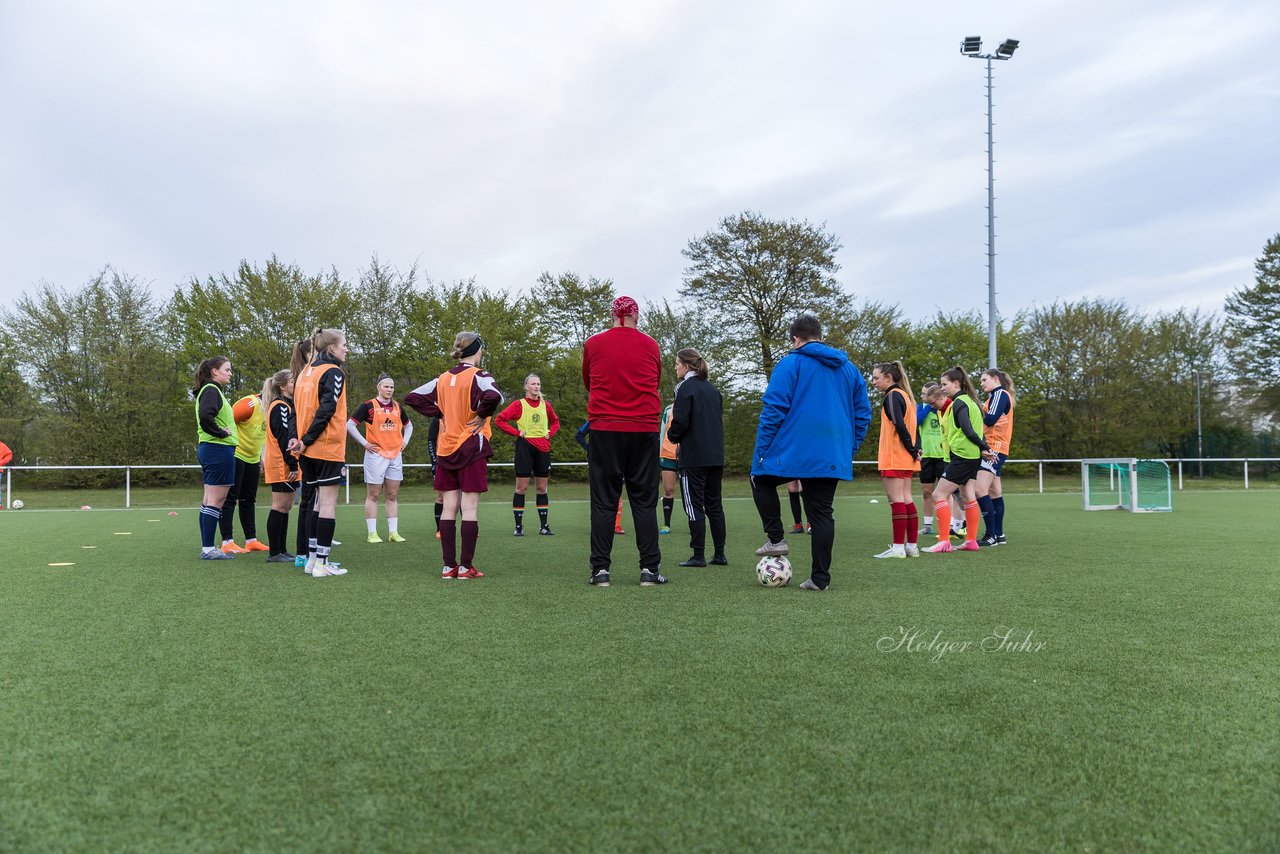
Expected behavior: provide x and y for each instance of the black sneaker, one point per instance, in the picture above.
(519, 532)
(650, 577)
(988, 541)
(718, 560)
(545, 531)
(694, 561)
(601, 578)
(1001, 541)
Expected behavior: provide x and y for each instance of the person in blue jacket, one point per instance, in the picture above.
(815, 416)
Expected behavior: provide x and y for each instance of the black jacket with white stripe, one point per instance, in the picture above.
(697, 424)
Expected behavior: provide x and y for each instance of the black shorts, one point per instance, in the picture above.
(931, 469)
(530, 462)
(321, 472)
(960, 470)
(285, 486)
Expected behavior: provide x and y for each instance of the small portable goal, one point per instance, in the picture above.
(1127, 483)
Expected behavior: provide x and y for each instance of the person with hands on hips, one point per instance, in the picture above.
(387, 430)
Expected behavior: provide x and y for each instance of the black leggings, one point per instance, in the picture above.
(245, 492)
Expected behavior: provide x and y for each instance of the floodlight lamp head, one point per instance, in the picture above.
(1006, 49)
(971, 45)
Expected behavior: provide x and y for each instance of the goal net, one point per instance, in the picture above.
(1120, 483)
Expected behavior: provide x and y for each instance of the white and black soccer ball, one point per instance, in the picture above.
(17, 504)
(774, 571)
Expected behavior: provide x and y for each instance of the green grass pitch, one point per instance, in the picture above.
(150, 701)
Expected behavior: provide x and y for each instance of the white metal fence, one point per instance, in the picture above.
(355, 470)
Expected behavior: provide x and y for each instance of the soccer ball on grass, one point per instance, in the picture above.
(17, 504)
(774, 571)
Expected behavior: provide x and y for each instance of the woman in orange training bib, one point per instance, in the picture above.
(899, 458)
(278, 465)
(464, 397)
(386, 434)
(320, 399)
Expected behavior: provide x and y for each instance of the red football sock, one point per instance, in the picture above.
(470, 533)
(913, 522)
(449, 542)
(899, 514)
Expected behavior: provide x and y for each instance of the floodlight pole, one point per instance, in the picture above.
(971, 47)
(991, 229)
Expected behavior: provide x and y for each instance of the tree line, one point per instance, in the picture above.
(100, 374)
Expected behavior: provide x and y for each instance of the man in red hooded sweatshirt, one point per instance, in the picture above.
(622, 369)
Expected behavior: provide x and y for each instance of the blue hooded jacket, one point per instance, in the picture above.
(815, 416)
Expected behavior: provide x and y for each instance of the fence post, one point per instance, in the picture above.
(127, 493)
(8, 487)
(1246, 473)
(1040, 466)
(1179, 475)
(348, 489)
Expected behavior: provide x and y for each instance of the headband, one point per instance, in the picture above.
(473, 348)
(625, 306)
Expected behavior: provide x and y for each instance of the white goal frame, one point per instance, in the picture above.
(1130, 465)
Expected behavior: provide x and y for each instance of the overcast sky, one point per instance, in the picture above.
(1136, 142)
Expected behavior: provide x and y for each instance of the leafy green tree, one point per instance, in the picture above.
(255, 317)
(569, 309)
(1089, 365)
(1182, 344)
(377, 330)
(1253, 326)
(17, 400)
(677, 327)
(110, 393)
(757, 274)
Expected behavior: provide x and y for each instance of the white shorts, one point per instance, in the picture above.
(378, 468)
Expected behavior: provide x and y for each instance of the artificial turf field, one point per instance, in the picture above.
(151, 701)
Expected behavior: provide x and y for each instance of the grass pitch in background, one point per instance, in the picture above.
(149, 701)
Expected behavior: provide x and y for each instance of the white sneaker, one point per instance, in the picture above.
(310, 567)
(772, 548)
(319, 571)
(913, 550)
(335, 569)
(893, 551)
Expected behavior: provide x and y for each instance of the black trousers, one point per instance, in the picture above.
(245, 493)
(701, 488)
(818, 495)
(306, 503)
(614, 457)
